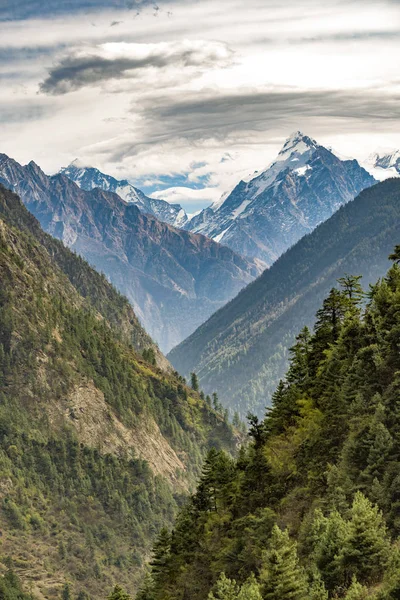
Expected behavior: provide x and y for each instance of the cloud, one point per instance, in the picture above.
(186, 195)
(241, 114)
(87, 66)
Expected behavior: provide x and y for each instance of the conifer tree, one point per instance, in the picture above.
(328, 535)
(224, 589)
(118, 594)
(250, 590)
(356, 591)
(365, 551)
(282, 576)
(160, 552)
(194, 382)
(352, 288)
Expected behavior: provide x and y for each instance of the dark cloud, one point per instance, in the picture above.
(212, 115)
(92, 67)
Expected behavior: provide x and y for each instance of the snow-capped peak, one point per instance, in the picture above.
(383, 163)
(294, 155)
(297, 143)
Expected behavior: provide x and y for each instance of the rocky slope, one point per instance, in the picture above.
(97, 445)
(174, 279)
(242, 349)
(266, 215)
(89, 178)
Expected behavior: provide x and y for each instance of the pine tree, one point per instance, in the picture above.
(365, 551)
(327, 538)
(282, 577)
(356, 591)
(298, 372)
(146, 590)
(395, 256)
(118, 594)
(352, 288)
(194, 382)
(160, 552)
(224, 589)
(317, 590)
(250, 590)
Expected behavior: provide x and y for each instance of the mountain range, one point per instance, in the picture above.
(242, 349)
(98, 445)
(89, 178)
(174, 279)
(264, 216)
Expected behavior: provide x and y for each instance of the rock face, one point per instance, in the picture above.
(266, 215)
(174, 279)
(89, 178)
(242, 350)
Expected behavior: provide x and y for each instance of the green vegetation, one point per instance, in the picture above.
(310, 508)
(242, 350)
(98, 445)
(11, 589)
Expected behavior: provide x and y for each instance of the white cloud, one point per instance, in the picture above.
(189, 198)
(207, 88)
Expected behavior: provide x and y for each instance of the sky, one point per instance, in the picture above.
(184, 98)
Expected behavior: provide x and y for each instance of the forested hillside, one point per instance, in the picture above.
(98, 445)
(310, 509)
(242, 349)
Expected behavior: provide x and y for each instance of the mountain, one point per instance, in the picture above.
(310, 508)
(266, 215)
(174, 279)
(98, 446)
(383, 164)
(242, 349)
(89, 178)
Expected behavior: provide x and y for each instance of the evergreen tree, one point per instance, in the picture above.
(250, 590)
(395, 256)
(328, 535)
(118, 594)
(356, 591)
(194, 382)
(352, 288)
(282, 577)
(224, 589)
(365, 551)
(160, 552)
(298, 372)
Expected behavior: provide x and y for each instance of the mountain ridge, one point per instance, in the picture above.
(268, 212)
(242, 349)
(173, 278)
(88, 178)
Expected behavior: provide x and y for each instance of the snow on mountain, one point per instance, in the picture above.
(383, 164)
(88, 178)
(269, 211)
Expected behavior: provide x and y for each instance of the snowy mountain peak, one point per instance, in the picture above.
(89, 178)
(299, 143)
(383, 163)
(267, 212)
